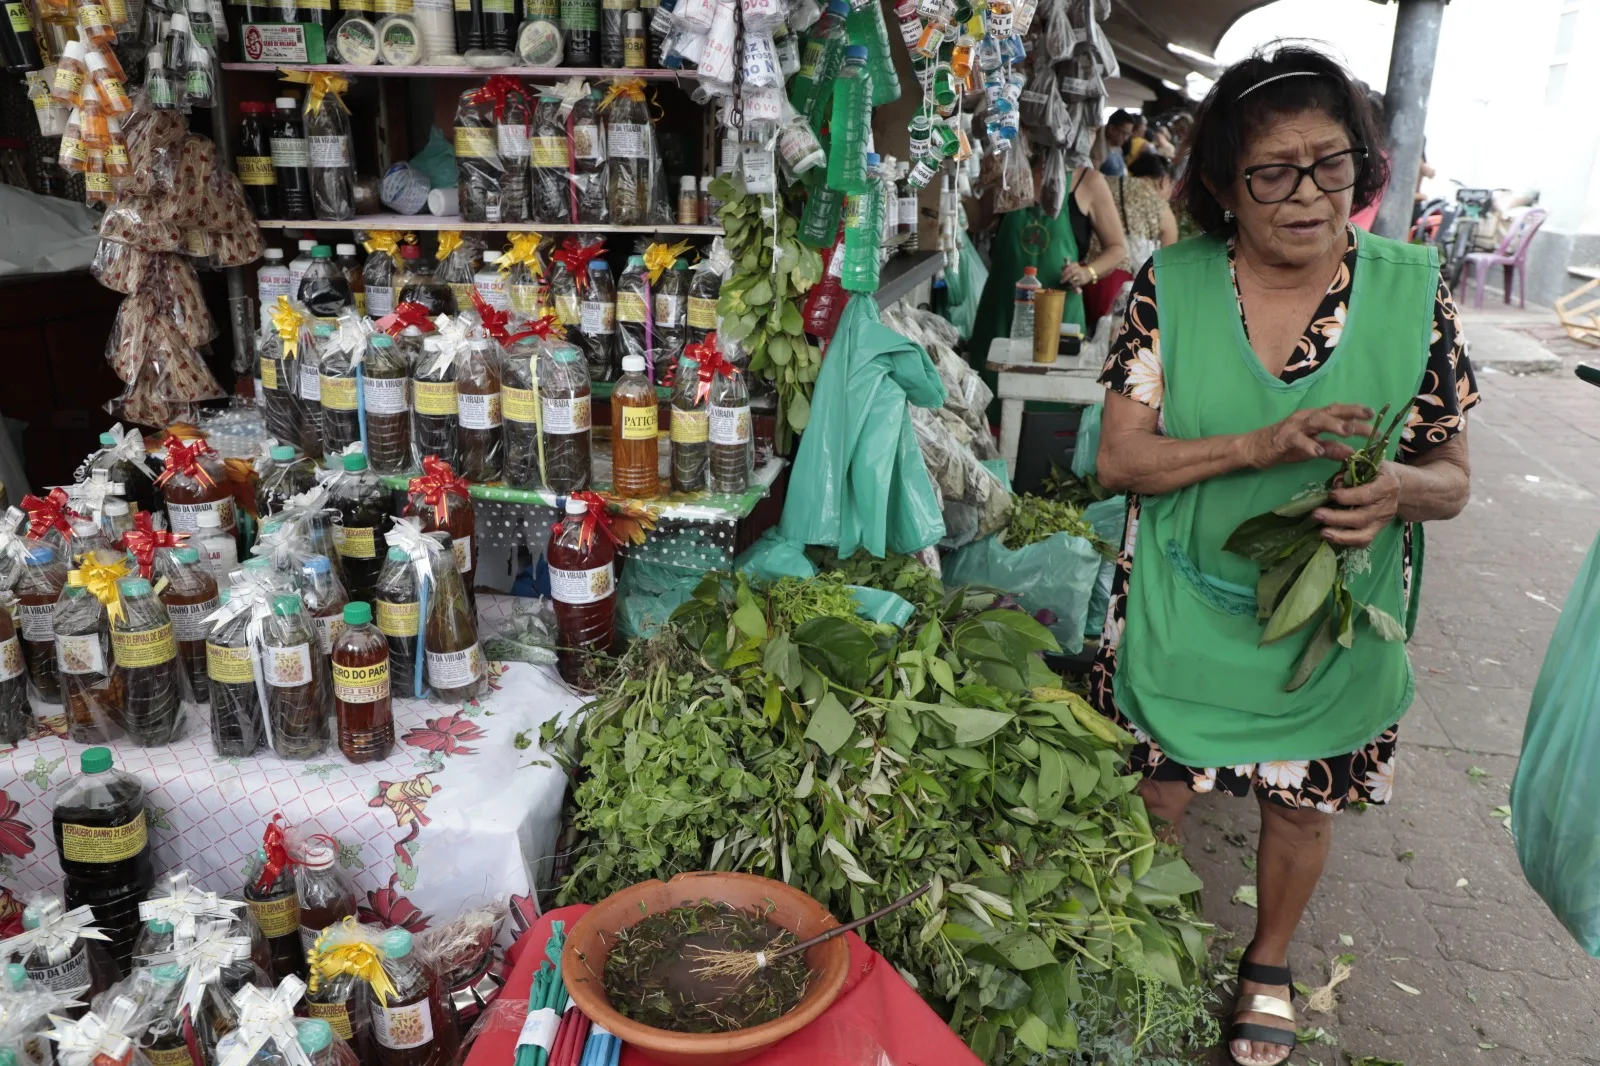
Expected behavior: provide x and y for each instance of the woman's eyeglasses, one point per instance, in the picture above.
(1273, 183)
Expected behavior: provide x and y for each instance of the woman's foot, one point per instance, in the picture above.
(1263, 1030)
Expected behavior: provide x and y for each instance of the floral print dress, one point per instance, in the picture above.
(1133, 368)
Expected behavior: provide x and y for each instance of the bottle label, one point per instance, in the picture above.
(455, 669)
(337, 1015)
(549, 152)
(475, 142)
(383, 396)
(191, 621)
(67, 976)
(329, 626)
(97, 181)
(531, 299)
(18, 14)
(630, 307)
(397, 619)
(908, 211)
(729, 425)
(92, 15)
(462, 290)
(462, 547)
(493, 291)
(565, 415)
(80, 653)
(580, 15)
(402, 1028)
(578, 587)
(358, 542)
(633, 52)
(628, 140)
(434, 397)
(143, 647)
(361, 684)
(516, 405)
(599, 317)
(277, 917)
(512, 140)
(567, 308)
(639, 423)
(269, 374)
(172, 1056)
(390, 7)
(117, 155)
(479, 410)
(360, 297)
(229, 666)
(104, 844)
(68, 82)
(37, 621)
(586, 142)
(689, 427)
(286, 667)
(290, 152)
(185, 517)
(338, 394)
(668, 309)
(256, 170)
(11, 661)
(329, 151)
(702, 312)
(310, 383)
(380, 300)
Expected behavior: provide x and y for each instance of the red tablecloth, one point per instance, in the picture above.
(876, 1021)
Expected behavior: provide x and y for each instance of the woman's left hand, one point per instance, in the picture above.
(1363, 511)
(1075, 275)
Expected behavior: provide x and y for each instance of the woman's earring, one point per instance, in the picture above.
(1227, 216)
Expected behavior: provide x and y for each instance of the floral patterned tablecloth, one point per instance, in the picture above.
(462, 812)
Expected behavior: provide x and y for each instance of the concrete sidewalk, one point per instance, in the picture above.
(1427, 891)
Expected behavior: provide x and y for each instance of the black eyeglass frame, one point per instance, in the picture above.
(1307, 171)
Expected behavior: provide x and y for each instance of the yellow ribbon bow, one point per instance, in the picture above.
(632, 88)
(524, 249)
(659, 257)
(320, 84)
(387, 241)
(449, 241)
(288, 320)
(352, 955)
(101, 579)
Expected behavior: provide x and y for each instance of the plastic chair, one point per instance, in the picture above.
(1512, 255)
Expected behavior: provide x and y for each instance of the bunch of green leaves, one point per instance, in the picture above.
(857, 762)
(1303, 577)
(760, 302)
(792, 600)
(903, 575)
(1036, 518)
(1064, 485)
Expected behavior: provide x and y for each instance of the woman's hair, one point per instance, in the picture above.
(1149, 164)
(1245, 101)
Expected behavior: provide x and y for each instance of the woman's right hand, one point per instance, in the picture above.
(1300, 436)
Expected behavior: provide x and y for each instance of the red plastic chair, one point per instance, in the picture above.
(1512, 255)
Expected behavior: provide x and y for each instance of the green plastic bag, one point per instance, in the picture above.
(659, 576)
(1555, 797)
(965, 284)
(1057, 574)
(437, 161)
(1087, 446)
(772, 557)
(859, 479)
(1108, 517)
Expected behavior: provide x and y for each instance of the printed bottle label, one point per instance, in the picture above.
(627, 140)
(80, 653)
(703, 312)
(549, 151)
(310, 383)
(191, 621)
(277, 917)
(172, 1056)
(512, 140)
(73, 974)
(337, 1015)
(454, 669)
(397, 619)
(286, 667)
(361, 684)
(329, 151)
(255, 170)
(228, 666)
(380, 301)
(434, 397)
(290, 152)
(402, 1028)
(599, 317)
(668, 309)
(639, 423)
(359, 542)
(461, 547)
(269, 373)
(338, 394)
(578, 587)
(630, 307)
(104, 844)
(37, 621)
(383, 396)
(185, 517)
(144, 647)
(516, 405)
(566, 415)
(475, 143)
(479, 410)
(567, 308)
(586, 142)
(12, 663)
(17, 14)
(729, 425)
(329, 626)
(689, 427)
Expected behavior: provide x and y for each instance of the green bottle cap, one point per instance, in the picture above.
(224, 595)
(398, 554)
(186, 555)
(382, 340)
(282, 453)
(134, 586)
(288, 603)
(396, 943)
(355, 462)
(259, 563)
(30, 917)
(107, 440)
(171, 973)
(16, 976)
(95, 760)
(8, 1056)
(313, 1035)
(322, 251)
(680, 264)
(564, 353)
(636, 260)
(159, 926)
(357, 613)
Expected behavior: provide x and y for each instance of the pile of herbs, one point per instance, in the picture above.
(857, 761)
(1037, 518)
(1303, 577)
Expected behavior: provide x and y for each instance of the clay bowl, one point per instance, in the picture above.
(589, 941)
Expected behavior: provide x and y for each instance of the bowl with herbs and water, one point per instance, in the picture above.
(670, 967)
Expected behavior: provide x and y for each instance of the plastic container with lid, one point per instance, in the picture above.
(326, 895)
(361, 688)
(104, 847)
(583, 586)
(634, 447)
(355, 40)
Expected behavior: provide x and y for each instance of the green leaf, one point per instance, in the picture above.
(778, 351)
(1034, 1034)
(831, 725)
(1049, 1000)
(1025, 951)
(738, 327)
(1345, 606)
(1035, 635)
(1322, 642)
(782, 660)
(1263, 537)
(793, 323)
(1385, 624)
(1166, 883)
(1305, 597)
(750, 621)
(942, 675)
(759, 295)
(1277, 579)
(838, 647)
(799, 412)
(972, 725)
(1303, 503)
(1052, 782)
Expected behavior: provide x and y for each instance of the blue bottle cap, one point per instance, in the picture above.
(312, 1034)
(40, 554)
(855, 51)
(318, 564)
(397, 943)
(873, 159)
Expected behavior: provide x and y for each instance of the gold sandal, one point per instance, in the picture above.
(1257, 1003)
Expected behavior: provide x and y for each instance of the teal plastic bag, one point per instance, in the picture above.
(1109, 517)
(965, 284)
(1555, 797)
(437, 161)
(660, 575)
(772, 557)
(1087, 446)
(1057, 574)
(859, 479)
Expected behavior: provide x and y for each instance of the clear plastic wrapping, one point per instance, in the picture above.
(333, 172)
(454, 667)
(92, 690)
(480, 172)
(550, 158)
(299, 693)
(395, 610)
(478, 434)
(633, 166)
(146, 659)
(435, 415)
(237, 722)
(385, 389)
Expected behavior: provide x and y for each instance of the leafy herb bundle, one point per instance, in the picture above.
(857, 762)
(1036, 518)
(1303, 576)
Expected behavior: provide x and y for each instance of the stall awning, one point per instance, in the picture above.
(1140, 31)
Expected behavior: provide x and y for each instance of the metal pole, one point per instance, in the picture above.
(1416, 43)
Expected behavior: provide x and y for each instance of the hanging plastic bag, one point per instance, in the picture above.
(1016, 190)
(1057, 575)
(480, 171)
(1053, 182)
(327, 123)
(549, 160)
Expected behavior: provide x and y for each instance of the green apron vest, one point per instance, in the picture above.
(1026, 238)
(1189, 669)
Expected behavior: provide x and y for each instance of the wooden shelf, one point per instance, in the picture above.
(904, 273)
(438, 222)
(462, 71)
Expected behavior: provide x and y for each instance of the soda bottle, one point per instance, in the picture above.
(291, 158)
(728, 420)
(450, 635)
(689, 429)
(146, 657)
(863, 232)
(384, 388)
(104, 846)
(350, 262)
(397, 619)
(16, 718)
(365, 506)
(325, 599)
(583, 586)
(190, 598)
(326, 896)
(634, 328)
(324, 288)
(436, 414)
(1022, 310)
(412, 1028)
(847, 157)
(289, 474)
(825, 302)
(478, 409)
(297, 689)
(92, 695)
(236, 722)
(38, 588)
(274, 906)
(361, 691)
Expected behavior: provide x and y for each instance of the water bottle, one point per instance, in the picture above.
(863, 233)
(1022, 313)
(847, 159)
(866, 28)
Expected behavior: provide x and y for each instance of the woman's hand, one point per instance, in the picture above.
(1299, 437)
(1363, 511)
(1076, 276)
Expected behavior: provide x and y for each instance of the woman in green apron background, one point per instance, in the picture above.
(1222, 402)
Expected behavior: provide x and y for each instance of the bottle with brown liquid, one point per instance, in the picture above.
(441, 500)
(37, 590)
(339, 1001)
(104, 846)
(455, 665)
(633, 433)
(275, 907)
(190, 597)
(326, 895)
(435, 416)
(413, 1028)
(288, 473)
(16, 718)
(361, 683)
(236, 723)
(478, 409)
(146, 657)
(91, 689)
(192, 481)
(365, 507)
(64, 963)
(584, 588)
(325, 600)
(397, 617)
(296, 680)
(165, 1044)
(385, 382)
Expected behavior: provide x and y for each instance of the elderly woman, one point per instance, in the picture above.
(1252, 358)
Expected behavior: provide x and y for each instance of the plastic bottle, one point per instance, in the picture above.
(690, 432)
(731, 448)
(275, 910)
(349, 261)
(365, 507)
(819, 219)
(580, 25)
(847, 167)
(136, 478)
(613, 31)
(421, 286)
(908, 209)
(254, 159)
(454, 660)
(326, 895)
(397, 608)
(586, 133)
(116, 521)
(340, 400)
(16, 718)
(863, 230)
(156, 936)
(190, 599)
(308, 373)
(164, 1041)
(272, 280)
(325, 288)
(583, 586)
(104, 848)
(631, 148)
(325, 600)
(291, 158)
(478, 404)
(290, 474)
(436, 416)
(670, 310)
(635, 332)
(413, 1028)
(295, 677)
(597, 323)
(1022, 310)
(548, 148)
(825, 302)
(38, 588)
(298, 267)
(219, 552)
(635, 44)
(633, 433)
(147, 659)
(158, 87)
(705, 289)
(21, 50)
(236, 719)
(71, 75)
(361, 691)
(865, 26)
(378, 279)
(91, 694)
(456, 270)
(490, 283)
(97, 187)
(75, 965)
(384, 395)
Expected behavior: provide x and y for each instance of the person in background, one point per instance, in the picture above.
(1141, 199)
(1116, 133)
(1137, 141)
(1161, 141)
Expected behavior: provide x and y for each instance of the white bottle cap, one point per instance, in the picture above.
(73, 50)
(686, 183)
(114, 506)
(307, 245)
(282, 103)
(179, 23)
(273, 253)
(339, 249)
(490, 257)
(633, 364)
(95, 61)
(208, 520)
(576, 506)
(633, 20)
(705, 184)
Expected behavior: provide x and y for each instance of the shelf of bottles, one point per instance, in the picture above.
(452, 222)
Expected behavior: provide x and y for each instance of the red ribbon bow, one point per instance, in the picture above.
(494, 322)
(544, 327)
(712, 364)
(184, 458)
(272, 842)
(50, 512)
(143, 540)
(436, 485)
(597, 517)
(577, 257)
(497, 88)
(409, 313)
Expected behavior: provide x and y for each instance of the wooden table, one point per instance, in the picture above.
(1073, 380)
